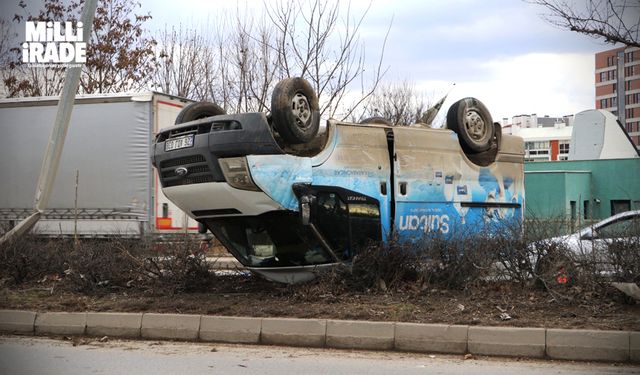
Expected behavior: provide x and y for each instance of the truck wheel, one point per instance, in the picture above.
(198, 110)
(471, 120)
(376, 120)
(295, 110)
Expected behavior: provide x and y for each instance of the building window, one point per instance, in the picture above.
(614, 101)
(620, 205)
(627, 85)
(563, 147)
(630, 113)
(628, 71)
(609, 60)
(585, 210)
(628, 57)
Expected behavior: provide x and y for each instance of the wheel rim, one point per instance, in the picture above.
(301, 110)
(475, 125)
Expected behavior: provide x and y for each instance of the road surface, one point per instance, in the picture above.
(28, 355)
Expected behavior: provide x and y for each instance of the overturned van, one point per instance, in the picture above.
(285, 199)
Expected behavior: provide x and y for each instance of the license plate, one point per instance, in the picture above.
(177, 143)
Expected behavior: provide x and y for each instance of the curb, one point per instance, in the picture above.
(566, 344)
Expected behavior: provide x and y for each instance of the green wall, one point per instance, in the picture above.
(551, 186)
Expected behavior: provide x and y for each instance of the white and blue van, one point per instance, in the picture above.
(285, 198)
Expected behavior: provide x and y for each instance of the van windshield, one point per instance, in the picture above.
(274, 239)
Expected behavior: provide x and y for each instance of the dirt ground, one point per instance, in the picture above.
(492, 304)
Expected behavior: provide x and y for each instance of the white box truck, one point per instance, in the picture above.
(108, 146)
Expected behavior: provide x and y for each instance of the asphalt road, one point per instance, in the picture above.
(26, 355)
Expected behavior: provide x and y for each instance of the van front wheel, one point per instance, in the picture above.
(295, 110)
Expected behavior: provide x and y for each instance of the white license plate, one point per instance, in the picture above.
(177, 143)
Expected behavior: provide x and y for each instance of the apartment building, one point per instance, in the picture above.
(617, 82)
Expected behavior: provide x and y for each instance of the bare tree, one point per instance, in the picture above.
(314, 42)
(7, 37)
(22, 80)
(180, 53)
(615, 21)
(239, 62)
(119, 56)
(399, 103)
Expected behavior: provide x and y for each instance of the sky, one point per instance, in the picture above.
(499, 51)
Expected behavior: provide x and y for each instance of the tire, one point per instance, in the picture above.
(198, 110)
(471, 120)
(376, 120)
(295, 110)
(497, 134)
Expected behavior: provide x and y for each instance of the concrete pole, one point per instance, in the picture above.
(58, 134)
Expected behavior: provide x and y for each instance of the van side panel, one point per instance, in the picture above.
(439, 190)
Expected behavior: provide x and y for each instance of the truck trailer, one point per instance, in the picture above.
(107, 151)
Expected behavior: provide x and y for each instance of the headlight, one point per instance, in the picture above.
(237, 174)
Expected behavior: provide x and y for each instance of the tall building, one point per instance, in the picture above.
(618, 87)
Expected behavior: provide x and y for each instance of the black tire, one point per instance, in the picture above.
(295, 110)
(497, 134)
(376, 120)
(198, 110)
(471, 120)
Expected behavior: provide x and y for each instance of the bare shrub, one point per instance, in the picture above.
(457, 261)
(31, 259)
(180, 266)
(624, 258)
(103, 265)
(384, 266)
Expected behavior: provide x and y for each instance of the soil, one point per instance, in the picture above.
(492, 304)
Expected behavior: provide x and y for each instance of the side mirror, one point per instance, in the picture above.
(305, 209)
(589, 234)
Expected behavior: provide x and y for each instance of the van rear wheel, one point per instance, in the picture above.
(471, 120)
(198, 110)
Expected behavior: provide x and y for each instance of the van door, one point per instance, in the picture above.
(426, 163)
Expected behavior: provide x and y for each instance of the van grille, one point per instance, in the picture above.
(198, 171)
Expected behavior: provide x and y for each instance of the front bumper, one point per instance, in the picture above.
(214, 137)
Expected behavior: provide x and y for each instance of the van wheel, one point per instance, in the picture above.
(198, 110)
(295, 110)
(376, 120)
(471, 120)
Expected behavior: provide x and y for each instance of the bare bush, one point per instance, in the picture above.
(102, 265)
(98, 266)
(179, 266)
(31, 259)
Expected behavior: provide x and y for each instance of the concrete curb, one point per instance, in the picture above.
(294, 332)
(61, 323)
(431, 338)
(114, 324)
(230, 329)
(590, 345)
(507, 341)
(16, 321)
(349, 334)
(170, 326)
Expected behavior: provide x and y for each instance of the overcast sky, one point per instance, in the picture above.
(499, 51)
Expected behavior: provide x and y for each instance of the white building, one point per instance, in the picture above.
(546, 138)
